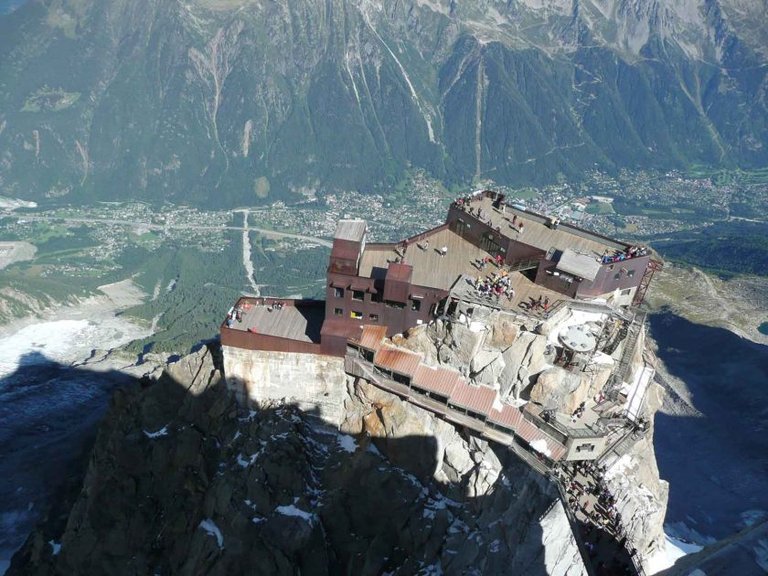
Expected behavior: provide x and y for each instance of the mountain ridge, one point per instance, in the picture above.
(227, 102)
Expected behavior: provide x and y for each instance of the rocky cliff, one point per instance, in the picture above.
(182, 480)
(499, 350)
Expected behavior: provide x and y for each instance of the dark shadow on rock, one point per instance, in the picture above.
(49, 413)
(716, 460)
(181, 480)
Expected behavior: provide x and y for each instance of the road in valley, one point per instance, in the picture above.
(150, 226)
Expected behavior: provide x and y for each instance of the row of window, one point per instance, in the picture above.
(355, 314)
(359, 296)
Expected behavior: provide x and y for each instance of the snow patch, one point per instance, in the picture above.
(672, 550)
(56, 546)
(212, 530)
(62, 341)
(162, 432)
(347, 443)
(540, 446)
(292, 510)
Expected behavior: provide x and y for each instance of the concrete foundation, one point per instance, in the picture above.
(313, 382)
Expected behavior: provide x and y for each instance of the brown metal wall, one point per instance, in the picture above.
(552, 282)
(250, 341)
(397, 320)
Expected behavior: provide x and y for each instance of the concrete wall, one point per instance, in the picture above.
(314, 382)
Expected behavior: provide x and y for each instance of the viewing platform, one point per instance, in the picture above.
(275, 324)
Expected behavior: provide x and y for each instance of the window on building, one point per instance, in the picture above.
(393, 304)
(373, 317)
(416, 305)
(338, 292)
(355, 314)
(358, 295)
(338, 311)
(376, 297)
(402, 379)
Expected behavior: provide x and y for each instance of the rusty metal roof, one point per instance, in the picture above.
(400, 361)
(476, 398)
(530, 433)
(436, 379)
(509, 417)
(399, 272)
(339, 327)
(361, 284)
(345, 250)
(513, 419)
(372, 336)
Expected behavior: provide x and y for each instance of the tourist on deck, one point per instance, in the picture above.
(443, 250)
(521, 229)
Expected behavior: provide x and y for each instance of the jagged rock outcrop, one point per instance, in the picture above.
(640, 494)
(563, 390)
(182, 480)
(502, 353)
(504, 490)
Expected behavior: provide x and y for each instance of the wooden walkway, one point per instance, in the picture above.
(359, 367)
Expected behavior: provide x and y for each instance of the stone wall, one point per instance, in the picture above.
(315, 383)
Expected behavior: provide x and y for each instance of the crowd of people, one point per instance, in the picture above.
(621, 255)
(595, 507)
(496, 285)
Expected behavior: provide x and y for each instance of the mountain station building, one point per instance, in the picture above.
(487, 256)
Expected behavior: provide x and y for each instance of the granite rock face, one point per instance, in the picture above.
(516, 524)
(182, 480)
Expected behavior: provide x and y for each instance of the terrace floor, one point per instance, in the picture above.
(430, 267)
(462, 259)
(537, 231)
(301, 323)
